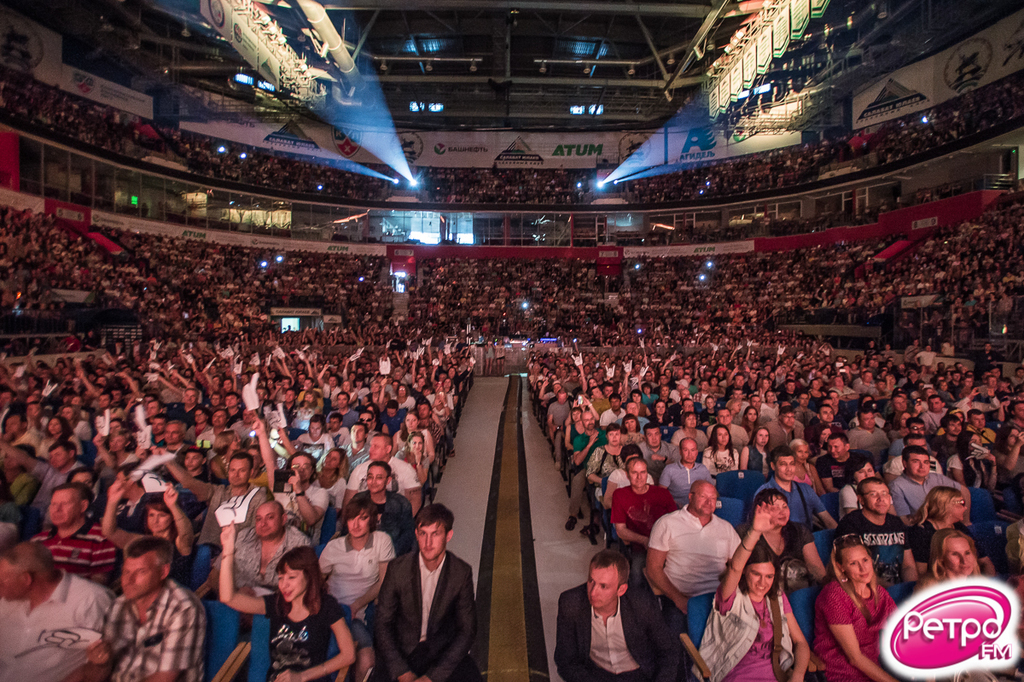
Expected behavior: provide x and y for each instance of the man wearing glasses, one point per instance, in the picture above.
(306, 505)
(882, 532)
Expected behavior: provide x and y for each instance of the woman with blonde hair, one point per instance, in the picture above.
(333, 476)
(954, 555)
(943, 508)
(850, 612)
(805, 471)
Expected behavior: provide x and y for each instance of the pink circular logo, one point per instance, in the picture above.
(950, 627)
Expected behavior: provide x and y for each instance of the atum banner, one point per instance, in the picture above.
(979, 60)
(689, 249)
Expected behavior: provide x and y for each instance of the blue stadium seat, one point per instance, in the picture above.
(31, 522)
(740, 485)
(901, 591)
(202, 564)
(222, 626)
(698, 609)
(983, 508)
(730, 509)
(89, 453)
(990, 537)
(831, 503)
(823, 540)
(802, 602)
(330, 525)
(259, 656)
(1012, 502)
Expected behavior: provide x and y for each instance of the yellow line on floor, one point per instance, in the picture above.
(507, 659)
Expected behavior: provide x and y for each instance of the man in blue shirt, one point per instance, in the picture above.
(804, 504)
(911, 488)
(679, 476)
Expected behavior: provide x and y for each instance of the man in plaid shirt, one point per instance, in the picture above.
(155, 632)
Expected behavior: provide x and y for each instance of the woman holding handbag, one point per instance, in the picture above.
(752, 633)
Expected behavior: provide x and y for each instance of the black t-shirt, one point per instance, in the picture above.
(828, 467)
(303, 645)
(887, 542)
(795, 535)
(920, 540)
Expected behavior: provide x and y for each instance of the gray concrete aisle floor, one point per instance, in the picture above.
(562, 556)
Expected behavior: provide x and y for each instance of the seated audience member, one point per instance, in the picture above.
(333, 477)
(720, 454)
(306, 504)
(755, 453)
(259, 548)
(606, 458)
(911, 488)
(425, 620)
(785, 429)
(50, 473)
(750, 607)
(688, 551)
(392, 511)
(790, 545)
(23, 485)
(832, 466)
(973, 465)
(804, 472)
(37, 598)
(656, 452)
(156, 628)
(77, 544)
(868, 435)
(635, 509)
(953, 556)
(302, 615)
(680, 476)
(607, 632)
(893, 468)
(849, 615)
(858, 467)
(403, 476)
(10, 518)
(238, 492)
(164, 519)
(619, 478)
(584, 447)
(882, 532)
(804, 504)
(355, 566)
(915, 427)
(944, 507)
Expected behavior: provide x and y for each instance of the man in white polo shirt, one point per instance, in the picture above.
(403, 475)
(688, 551)
(45, 612)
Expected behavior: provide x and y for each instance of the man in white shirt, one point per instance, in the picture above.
(403, 475)
(39, 605)
(615, 413)
(688, 551)
(306, 505)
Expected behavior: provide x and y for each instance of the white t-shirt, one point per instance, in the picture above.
(403, 476)
(317, 497)
(354, 572)
(847, 499)
(696, 554)
(336, 493)
(75, 603)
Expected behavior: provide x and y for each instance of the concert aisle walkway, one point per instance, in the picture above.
(510, 508)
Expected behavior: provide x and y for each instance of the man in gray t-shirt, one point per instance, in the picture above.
(558, 412)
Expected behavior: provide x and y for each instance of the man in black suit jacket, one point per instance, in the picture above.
(412, 646)
(607, 632)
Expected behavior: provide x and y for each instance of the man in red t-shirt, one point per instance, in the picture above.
(634, 511)
(77, 544)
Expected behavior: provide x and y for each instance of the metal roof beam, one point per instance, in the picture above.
(386, 79)
(684, 10)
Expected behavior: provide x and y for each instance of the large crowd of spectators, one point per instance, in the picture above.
(22, 98)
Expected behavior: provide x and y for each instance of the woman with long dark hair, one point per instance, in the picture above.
(302, 616)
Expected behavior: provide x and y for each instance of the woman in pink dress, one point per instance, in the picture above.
(849, 615)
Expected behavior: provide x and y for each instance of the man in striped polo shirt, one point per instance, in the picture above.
(77, 544)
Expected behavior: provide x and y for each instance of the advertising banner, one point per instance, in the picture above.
(764, 48)
(979, 60)
(749, 63)
(85, 84)
(746, 246)
(799, 18)
(252, 41)
(27, 47)
(780, 31)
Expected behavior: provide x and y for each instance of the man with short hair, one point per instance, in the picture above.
(804, 503)
(656, 453)
(156, 630)
(893, 468)
(358, 448)
(785, 429)
(393, 512)
(635, 510)
(37, 599)
(403, 475)
(976, 424)
(867, 435)
(50, 474)
(77, 544)
(688, 551)
(915, 427)
(739, 435)
(558, 412)
(680, 476)
(832, 466)
(615, 411)
(911, 488)
(933, 416)
(882, 532)
(259, 548)
(944, 444)
(609, 633)
(307, 504)
(426, 613)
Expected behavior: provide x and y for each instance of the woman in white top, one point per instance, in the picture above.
(858, 467)
(721, 455)
(332, 476)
